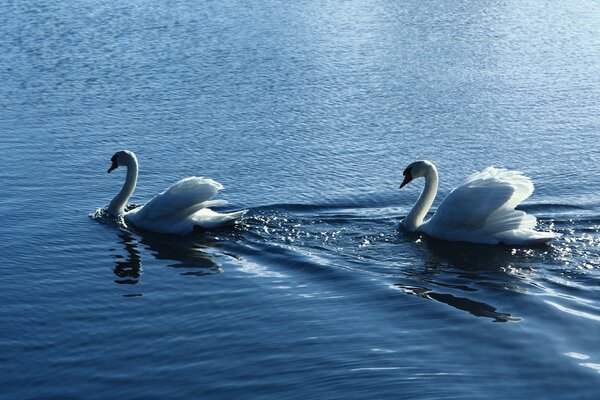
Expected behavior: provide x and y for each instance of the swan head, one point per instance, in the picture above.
(122, 158)
(417, 169)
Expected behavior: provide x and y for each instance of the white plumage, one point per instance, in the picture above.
(480, 210)
(180, 209)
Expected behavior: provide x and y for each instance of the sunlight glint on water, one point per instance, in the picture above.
(307, 113)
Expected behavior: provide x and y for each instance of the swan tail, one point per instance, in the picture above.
(521, 237)
(516, 227)
(203, 219)
(209, 219)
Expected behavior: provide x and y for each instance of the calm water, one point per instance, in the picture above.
(307, 112)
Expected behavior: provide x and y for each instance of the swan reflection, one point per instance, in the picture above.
(183, 253)
(458, 274)
(128, 269)
(476, 308)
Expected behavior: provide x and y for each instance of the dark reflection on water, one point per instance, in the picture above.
(186, 253)
(128, 270)
(476, 308)
(183, 253)
(466, 268)
(309, 112)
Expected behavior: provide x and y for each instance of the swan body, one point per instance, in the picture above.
(480, 210)
(180, 209)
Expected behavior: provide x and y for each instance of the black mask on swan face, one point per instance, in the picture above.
(407, 176)
(121, 158)
(114, 162)
(417, 169)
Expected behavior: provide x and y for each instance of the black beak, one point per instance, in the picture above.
(407, 178)
(112, 167)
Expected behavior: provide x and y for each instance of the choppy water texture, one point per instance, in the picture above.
(307, 112)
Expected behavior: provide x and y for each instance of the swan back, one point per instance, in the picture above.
(183, 208)
(181, 199)
(482, 210)
(482, 194)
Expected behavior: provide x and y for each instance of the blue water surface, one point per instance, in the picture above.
(307, 112)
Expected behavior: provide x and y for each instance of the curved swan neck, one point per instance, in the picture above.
(415, 217)
(117, 205)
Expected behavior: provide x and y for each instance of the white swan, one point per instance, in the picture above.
(480, 210)
(181, 209)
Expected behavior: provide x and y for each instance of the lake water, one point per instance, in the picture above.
(307, 112)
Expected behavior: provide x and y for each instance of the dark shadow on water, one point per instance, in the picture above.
(469, 256)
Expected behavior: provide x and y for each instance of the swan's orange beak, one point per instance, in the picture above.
(407, 178)
(113, 166)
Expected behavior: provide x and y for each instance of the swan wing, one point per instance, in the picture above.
(486, 201)
(181, 199)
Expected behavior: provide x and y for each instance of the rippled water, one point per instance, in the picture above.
(307, 112)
